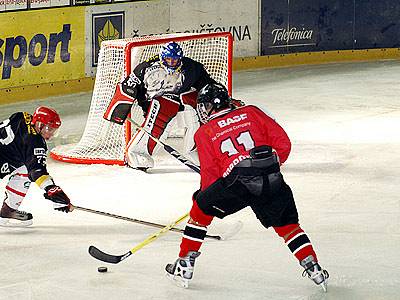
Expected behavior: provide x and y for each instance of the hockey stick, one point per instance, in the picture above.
(147, 223)
(168, 148)
(114, 259)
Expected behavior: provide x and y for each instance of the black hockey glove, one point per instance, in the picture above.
(60, 200)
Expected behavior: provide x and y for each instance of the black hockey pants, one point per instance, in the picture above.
(263, 189)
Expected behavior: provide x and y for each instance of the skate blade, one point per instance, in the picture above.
(6, 222)
(178, 281)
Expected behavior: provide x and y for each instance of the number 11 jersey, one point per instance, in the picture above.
(229, 136)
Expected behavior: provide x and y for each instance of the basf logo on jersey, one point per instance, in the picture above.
(106, 26)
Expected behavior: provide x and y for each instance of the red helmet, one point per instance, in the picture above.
(46, 116)
(46, 122)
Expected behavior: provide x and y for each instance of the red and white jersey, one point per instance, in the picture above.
(229, 136)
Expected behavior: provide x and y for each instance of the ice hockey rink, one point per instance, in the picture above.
(343, 120)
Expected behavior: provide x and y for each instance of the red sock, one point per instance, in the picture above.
(195, 230)
(296, 240)
(189, 245)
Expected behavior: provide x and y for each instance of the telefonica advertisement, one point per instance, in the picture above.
(45, 46)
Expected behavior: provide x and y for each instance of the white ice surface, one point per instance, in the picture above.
(344, 169)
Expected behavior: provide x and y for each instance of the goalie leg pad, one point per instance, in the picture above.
(191, 123)
(159, 115)
(157, 122)
(136, 154)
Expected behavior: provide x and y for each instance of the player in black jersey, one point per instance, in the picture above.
(163, 86)
(23, 152)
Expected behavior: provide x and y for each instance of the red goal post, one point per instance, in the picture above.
(104, 142)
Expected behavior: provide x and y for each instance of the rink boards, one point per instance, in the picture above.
(59, 54)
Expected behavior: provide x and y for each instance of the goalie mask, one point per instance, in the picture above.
(171, 57)
(212, 98)
(46, 122)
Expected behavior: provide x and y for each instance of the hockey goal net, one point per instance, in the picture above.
(104, 142)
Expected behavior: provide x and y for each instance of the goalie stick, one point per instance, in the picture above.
(168, 148)
(147, 223)
(114, 259)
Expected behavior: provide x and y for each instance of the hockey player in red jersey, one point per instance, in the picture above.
(240, 152)
(164, 85)
(23, 152)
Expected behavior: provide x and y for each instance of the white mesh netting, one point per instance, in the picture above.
(103, 141)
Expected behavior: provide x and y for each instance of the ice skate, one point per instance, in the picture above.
(10, 217)
(181, 272)
(314, 271)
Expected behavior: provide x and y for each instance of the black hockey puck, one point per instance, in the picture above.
(102, 269)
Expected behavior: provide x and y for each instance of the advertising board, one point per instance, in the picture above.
(122, 20)
(239, 17)
(323, 25)
(51, 50)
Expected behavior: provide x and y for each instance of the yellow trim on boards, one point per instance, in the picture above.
(310, 58)
(44, 90)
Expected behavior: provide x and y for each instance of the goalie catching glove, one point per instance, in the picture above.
(60, 200)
